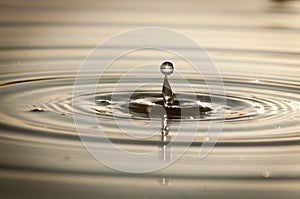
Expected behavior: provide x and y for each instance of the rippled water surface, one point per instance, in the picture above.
(254, 44)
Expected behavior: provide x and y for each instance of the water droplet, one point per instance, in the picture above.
(206, 139)
(37, 110)
(166, 68)
(165, 181)
(104, 102)
(266, 174)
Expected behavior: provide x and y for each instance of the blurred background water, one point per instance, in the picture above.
(255, 45)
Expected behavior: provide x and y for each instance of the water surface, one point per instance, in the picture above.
(254, 44)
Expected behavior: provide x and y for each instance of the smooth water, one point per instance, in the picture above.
(255, 46)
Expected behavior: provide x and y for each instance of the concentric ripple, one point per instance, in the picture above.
(257, 108)
(261, 126)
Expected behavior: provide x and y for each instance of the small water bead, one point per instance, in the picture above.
(104, 102)
(37, 110)
(167, 68)
(165, 181)
(266, 174)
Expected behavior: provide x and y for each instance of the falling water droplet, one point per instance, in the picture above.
(167, 68)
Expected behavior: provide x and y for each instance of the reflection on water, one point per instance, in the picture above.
(254, 44)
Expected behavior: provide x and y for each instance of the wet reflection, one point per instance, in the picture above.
(166, 139)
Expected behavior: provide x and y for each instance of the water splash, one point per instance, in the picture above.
(168, 95)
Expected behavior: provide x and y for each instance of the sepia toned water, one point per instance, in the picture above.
(254, 44)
